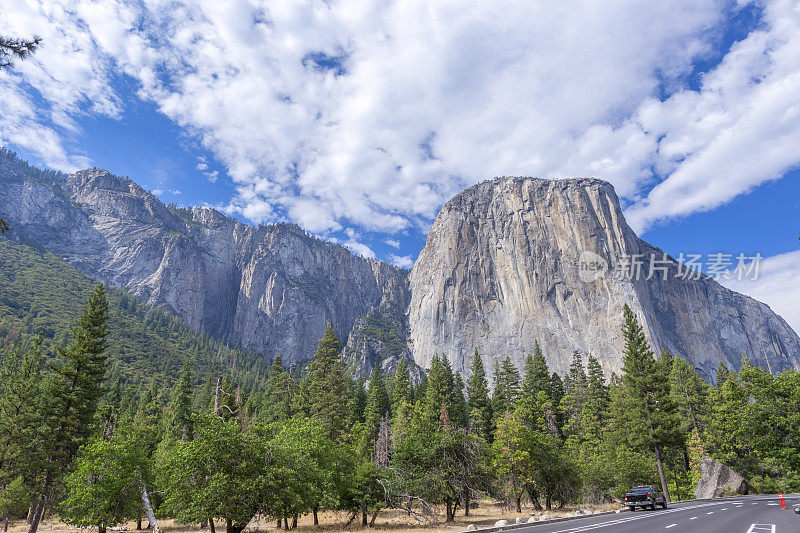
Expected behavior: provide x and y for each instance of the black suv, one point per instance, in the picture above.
(645, 496)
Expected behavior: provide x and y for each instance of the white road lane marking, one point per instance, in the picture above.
(693, 518)
(620, 521)
(671, 525)
(710, 512)
(724, 509)
(762, 528)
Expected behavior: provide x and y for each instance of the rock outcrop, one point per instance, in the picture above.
(507, 262)
(514, 260)
(718, 480)
(271, 288)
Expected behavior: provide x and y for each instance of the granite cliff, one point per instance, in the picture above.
(500, 270)
(270, 288)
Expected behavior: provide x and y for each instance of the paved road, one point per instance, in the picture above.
(749, 514)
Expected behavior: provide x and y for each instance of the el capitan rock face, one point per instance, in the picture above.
(500, 271)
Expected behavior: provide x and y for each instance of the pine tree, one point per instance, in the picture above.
(459, 413)
(650, 414)
(536, 374)
(722, 373)
(506, 388)
(402, 389)
(577, 378)
(180, 407)
(280, 397)
(597, 390)
(326, 388)
(479, 405)
(20, 381)
(73, 392)
(689, 393)
(439, 391)
(377, 408)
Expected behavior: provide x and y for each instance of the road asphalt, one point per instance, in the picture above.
(748, 514)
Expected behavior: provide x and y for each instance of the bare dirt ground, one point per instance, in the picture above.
(391, 520)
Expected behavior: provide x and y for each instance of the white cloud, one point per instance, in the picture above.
(778, 285)
(401, 262)
(158, 192)
(393, 243)
(359, 248)
(372, 114)
(175, 192)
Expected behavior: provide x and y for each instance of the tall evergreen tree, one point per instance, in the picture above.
(722, 373)
(439, 391)
(20, 381)
(577, 378)
(73, 392)
(402, 389)
(689, 393)
(459, 412)
(597, 390)
(378, 406)
(650, 414)
(180, 407)
(536, 374)
(506, 387)
(479, 404)
(326, 388)
(280, 397)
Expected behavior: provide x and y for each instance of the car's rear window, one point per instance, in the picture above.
(642, 489)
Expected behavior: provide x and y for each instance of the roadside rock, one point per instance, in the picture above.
(717, 479)
(471, 527)
(501, 523)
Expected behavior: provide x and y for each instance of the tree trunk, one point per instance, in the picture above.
(450, 510)
(279, 523)
(316, 518)
(203, 524)
(211, 525)
(217, 394)
(286, 523)
(37, 516)
(101, 528)
(533, 495)
(148, 509)
(466, 502)
(139, 522)
(664, 487)
(519, 503)
(230, 527)
(374, 516)
(30, 514)
(294, 522)
(5, 523)
(364, 516)
(548, 504)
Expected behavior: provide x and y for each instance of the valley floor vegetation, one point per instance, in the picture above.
(81, 440)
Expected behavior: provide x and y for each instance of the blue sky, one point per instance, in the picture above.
(358, 120)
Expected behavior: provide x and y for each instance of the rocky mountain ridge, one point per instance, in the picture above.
(501, 270)
(270, 288)
(498, 271)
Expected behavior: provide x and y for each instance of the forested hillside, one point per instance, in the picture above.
(75, 444)
(41, 294)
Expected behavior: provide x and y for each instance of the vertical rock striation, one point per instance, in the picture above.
(500, 270)
(272, 288)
